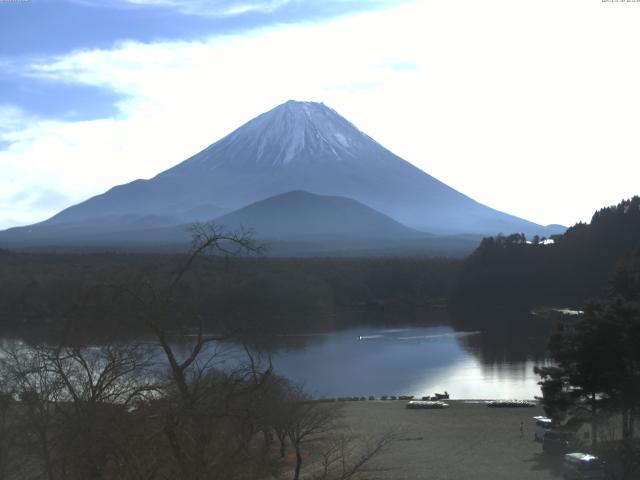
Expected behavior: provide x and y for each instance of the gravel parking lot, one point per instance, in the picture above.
(465, 441)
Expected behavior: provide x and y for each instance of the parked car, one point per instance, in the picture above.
(543, 424)
(582, 466)
(425, 404)
(559, 442)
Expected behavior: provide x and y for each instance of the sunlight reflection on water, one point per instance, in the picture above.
(376, 361)
(407, 361)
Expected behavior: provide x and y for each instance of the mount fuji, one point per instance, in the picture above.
(297, 146)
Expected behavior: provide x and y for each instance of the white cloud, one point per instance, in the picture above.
(228, 8)
(528, 107)
(215, 8)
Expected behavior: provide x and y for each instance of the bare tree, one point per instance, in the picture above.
(345, 454)
(176, 407)
(308, 422)
(334, 451)
(71, 401)
(101, 385)
(24, 371)
(207, 415)
(10, 429)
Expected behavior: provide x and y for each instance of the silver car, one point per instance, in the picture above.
(582, 466)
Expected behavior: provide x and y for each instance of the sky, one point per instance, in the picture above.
(530, 107)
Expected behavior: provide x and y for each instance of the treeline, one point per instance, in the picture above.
(279, 294)
(516, 271)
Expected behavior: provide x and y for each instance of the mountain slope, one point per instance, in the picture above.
(297, 146)
(300, 146)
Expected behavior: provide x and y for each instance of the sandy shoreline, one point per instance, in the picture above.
(468, 440)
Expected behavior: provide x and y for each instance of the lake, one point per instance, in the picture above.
(364, 360)
(374, 360)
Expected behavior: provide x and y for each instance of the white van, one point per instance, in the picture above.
(582, 466)
(543, 424)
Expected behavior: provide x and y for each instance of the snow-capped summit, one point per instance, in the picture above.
(292, 132)
(295, 146)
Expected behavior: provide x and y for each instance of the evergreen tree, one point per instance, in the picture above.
(597, 359)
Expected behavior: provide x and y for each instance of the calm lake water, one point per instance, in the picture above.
(414, 361)
(495, 363)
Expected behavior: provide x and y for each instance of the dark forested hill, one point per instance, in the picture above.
(298, 214)
(579, 264)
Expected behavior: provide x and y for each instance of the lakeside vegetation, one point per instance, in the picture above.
(595, 378)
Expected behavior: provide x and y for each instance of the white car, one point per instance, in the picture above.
(543, 424)
(582, 466)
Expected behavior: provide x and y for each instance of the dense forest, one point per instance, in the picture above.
(256, 292)
(564, 270)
